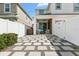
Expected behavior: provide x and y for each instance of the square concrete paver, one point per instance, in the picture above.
(46, 43)
(66, 43)
(19, 54)
(66, 53)
(37, 43)
(77, 53)
(18, 48)
(49, 53)
(57, 48)
(30, 48)
(5, 53)
(41, 40)
(56, 44)
(52, 48)
(19, 40)
(34, 54)
(42, 47)
(26, 40)
(67, 48)
(27, 43)
(33, 40)
(18, 44)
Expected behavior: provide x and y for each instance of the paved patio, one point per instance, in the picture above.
(41, 45)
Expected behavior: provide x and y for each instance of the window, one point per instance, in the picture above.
(58, 6)
(7, 7)
(41, 12)
(76, 6)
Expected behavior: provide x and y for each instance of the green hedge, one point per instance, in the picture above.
(7, 40)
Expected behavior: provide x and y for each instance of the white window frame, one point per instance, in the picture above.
(9, 7)
(41, 12)
(76, 5)
(59, 5)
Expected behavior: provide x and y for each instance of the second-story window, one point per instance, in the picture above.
(7, 7)
(58, 6)
(76, 6)
(41, 12)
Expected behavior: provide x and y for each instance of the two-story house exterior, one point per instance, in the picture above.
(60, 19)
(14, 12)
(44, 17)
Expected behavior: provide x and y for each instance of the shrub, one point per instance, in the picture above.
(2, 42)
(7, 40)
(11, 39)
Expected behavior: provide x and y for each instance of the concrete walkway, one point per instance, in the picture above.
(41, 45)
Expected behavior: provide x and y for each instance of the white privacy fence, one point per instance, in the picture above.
(67, 27)
(7, 26)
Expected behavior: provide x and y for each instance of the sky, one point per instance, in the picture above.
(30, 7)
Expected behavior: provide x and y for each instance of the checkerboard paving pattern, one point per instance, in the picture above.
(34, 54)
(18, 48)
(63, 47)
(50, 53)
(37, 43)
(30, 48)
(18, 53)
(41, 45)
(46, 43)
(18, 44)
(66, 53)
(27, 43)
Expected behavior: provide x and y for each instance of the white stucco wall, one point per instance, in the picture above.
(23, 18)
(69, 29)
(72, 29)
(59, 27)
(66, 8)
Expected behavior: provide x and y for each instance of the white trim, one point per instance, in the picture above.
(10, 8)
(43, 21)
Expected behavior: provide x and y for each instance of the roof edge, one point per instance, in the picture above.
(41, 9)
(23, 10)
